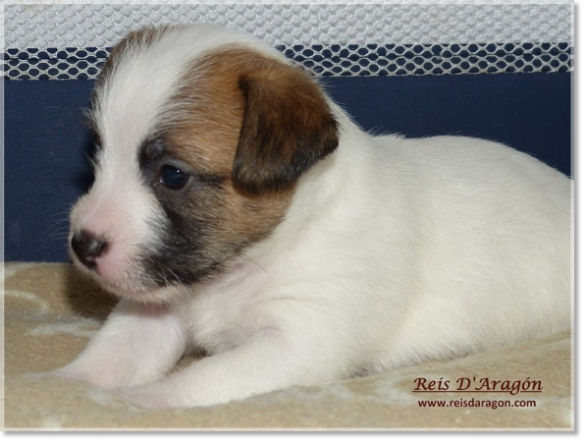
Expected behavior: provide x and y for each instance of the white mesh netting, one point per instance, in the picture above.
(72, 41)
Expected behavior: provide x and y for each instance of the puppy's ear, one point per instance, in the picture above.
(287, 127)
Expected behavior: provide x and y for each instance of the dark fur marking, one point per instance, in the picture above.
(183, 256)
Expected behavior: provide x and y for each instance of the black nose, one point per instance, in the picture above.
(87, 247)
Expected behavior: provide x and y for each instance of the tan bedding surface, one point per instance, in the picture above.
(50, 313)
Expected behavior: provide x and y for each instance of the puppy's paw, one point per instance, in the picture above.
(70, 373)
(149, 396)
(62, 373)
(98, 377)
(37, 376)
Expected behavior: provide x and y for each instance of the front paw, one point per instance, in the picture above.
(69, 373)
(152, 396)
(74, 373)
(38, 376)
(98, 376)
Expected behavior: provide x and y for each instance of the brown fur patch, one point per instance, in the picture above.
(256, 122)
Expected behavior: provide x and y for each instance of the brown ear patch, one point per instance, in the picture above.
(287, 127)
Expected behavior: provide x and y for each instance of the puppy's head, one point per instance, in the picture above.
(200, 142)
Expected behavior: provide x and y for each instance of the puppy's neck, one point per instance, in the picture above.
(322, 190)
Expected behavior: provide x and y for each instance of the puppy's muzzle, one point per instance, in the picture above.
(88, 247)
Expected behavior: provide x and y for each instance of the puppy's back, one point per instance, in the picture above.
(493, 241)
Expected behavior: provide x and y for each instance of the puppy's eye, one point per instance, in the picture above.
(173, 178)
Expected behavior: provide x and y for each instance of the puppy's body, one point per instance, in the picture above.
(371, 254)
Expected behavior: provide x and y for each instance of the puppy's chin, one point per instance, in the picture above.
(137, 289)
(135, 284)
(160, 295)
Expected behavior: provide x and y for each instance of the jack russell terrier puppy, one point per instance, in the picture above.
(237, 209)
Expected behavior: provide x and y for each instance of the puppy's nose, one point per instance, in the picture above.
(87, 247)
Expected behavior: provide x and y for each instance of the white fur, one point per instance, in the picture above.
(393, 251)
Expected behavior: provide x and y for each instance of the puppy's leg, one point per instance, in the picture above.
(138, 344)
(263, 364)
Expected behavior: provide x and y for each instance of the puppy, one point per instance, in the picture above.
(238, 210)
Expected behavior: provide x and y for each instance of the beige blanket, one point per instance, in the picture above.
(50, 312)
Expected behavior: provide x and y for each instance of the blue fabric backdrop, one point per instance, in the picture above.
(46, 142)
